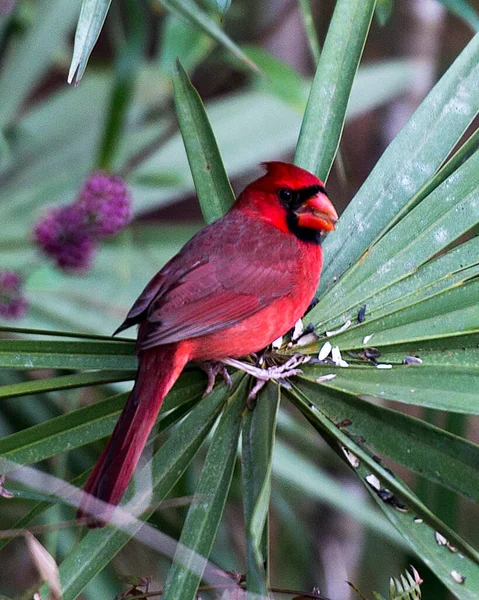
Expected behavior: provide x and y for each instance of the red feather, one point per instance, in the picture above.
(157, 372)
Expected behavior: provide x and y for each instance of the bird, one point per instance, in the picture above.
(235, 287)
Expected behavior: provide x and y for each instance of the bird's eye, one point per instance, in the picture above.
(285, 195)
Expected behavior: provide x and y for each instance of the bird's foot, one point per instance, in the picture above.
(276, 372)
(213, 369)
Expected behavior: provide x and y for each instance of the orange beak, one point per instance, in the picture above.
(317, 213)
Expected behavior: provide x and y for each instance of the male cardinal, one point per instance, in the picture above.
(234, 288)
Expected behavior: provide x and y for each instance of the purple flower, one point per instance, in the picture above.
(6, 6)
(107, 203)
(68, 234)
(13, 304)
(63, 235)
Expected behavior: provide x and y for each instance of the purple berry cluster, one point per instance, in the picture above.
(7, 6)
(62, 234)
(13, 304)
(107, 204)
(69, 234)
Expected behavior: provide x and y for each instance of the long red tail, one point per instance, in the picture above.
(158, 370)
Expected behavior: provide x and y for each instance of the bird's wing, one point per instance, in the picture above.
(205, 301)
(222, 285)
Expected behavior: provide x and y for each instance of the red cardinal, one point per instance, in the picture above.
(236, 286)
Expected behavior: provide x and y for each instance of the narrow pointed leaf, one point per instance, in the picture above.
(60, 434)
(179, 39)
(211, 181)
(448, 212)
(82, 426)
(258, 436)
(65, 382)
(313, 482)
(450, 312)
(438, 387)
(446, 283)
(193, 14)
(457, 351)
(310, 29)
(414, 331)
(127, 70)
(425, 141)
(470, 146)
(446, 271)
(26, 354)
(204, 515)
(446, 564)
(223, 5)
(328, 99)
(432, 452)
(100, 546)
(68, 334)
(366, 465)
(92, 16)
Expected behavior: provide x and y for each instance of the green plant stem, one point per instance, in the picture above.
(213, 188)
(314, 46)
(310, 29)
(447, 501)
(127, 68)
(328, 99)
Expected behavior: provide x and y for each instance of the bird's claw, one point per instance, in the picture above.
(212, 370)
(289, 368)
(279, 373)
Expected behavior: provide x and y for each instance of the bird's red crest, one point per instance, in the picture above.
(291, 175)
